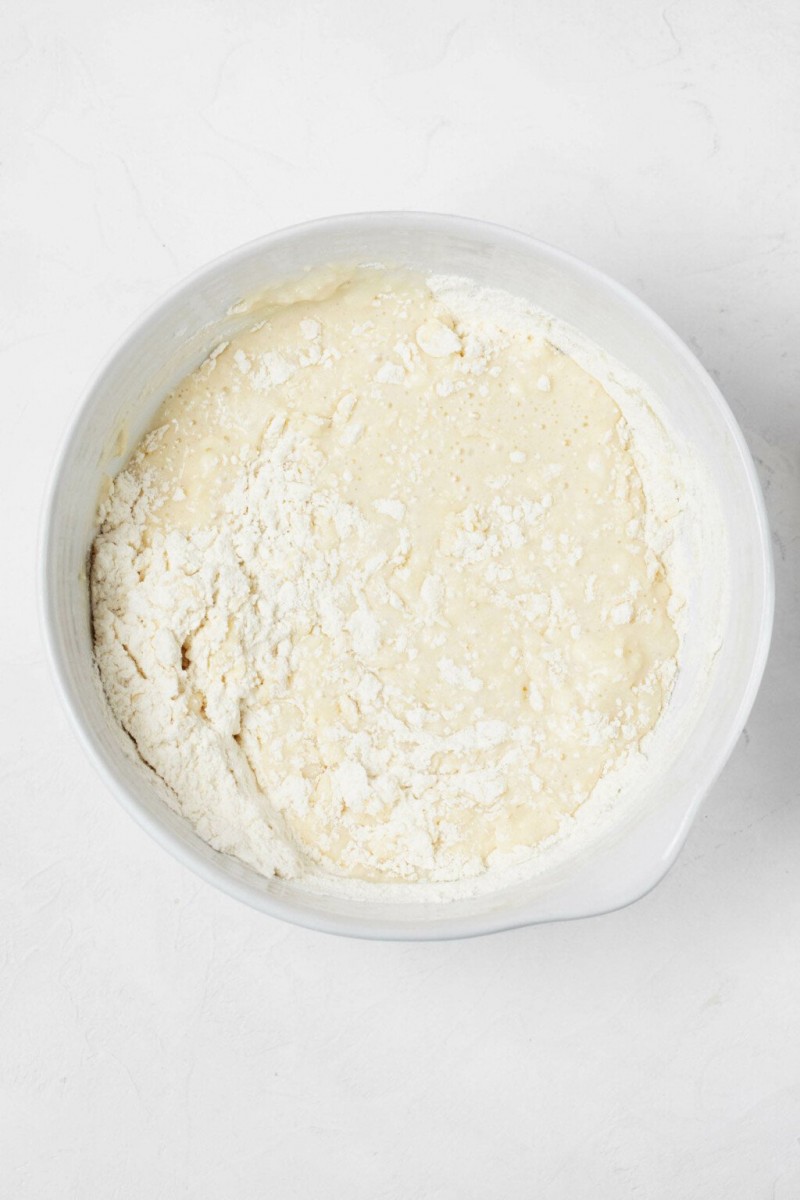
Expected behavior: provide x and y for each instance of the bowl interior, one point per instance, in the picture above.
(635, 850)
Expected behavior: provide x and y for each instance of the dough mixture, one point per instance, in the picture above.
(375, 597)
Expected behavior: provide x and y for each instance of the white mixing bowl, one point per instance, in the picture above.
(173, 338)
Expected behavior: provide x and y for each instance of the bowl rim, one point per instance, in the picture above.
(367, 927)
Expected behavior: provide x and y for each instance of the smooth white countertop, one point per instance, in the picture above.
(156, 1038)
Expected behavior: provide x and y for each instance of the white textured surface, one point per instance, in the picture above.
(157, 1039)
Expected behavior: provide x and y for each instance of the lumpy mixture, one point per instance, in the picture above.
(374, 597)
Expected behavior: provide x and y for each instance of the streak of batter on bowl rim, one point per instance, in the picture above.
(394, 585)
